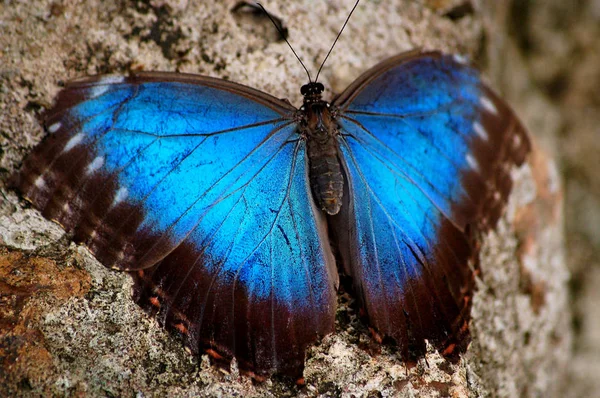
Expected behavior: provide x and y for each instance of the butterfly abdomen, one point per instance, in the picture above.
(325, 172)
(326, 178)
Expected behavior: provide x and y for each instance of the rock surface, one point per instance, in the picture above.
(68, 325)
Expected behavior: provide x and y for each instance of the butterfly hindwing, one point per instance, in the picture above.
(200, 185)
(428, 150)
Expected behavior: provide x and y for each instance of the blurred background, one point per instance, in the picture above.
(559, 42)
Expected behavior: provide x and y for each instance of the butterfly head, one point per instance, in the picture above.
(312, 92)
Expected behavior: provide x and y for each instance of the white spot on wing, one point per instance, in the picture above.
(73, 142)
(480, 131)
(111, 79)
(472, 162)
(488, 105)
(516, 141)
(104, 84)
(54, 127)
(95, 165)
(39, 182)
(461, 59)
(120, 196)
(97, 91)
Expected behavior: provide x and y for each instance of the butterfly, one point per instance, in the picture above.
(236, 212)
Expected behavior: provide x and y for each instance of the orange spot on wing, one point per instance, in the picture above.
(155, 302)
(449, 350)
(181, 327)
(376, 336)
(213, 353)
(464, 327)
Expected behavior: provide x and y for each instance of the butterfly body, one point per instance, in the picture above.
(319, 127)
(216, 197)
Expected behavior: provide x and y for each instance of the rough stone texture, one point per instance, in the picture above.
(95, 341)
(563, 57)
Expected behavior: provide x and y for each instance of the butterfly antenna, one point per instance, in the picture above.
(336, 39)
(284, 38)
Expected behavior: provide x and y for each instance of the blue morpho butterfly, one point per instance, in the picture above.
(234, 209)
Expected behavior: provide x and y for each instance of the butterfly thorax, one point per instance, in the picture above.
(320, 130)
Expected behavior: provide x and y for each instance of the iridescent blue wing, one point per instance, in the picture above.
(200, 186)
(428, 149)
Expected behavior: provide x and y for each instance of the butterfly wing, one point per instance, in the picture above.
(428, 149)
(200, 186)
